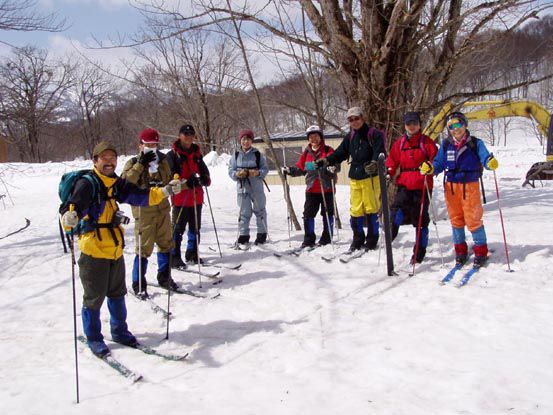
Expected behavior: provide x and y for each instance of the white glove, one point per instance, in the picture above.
(69, 219)
(331, 169)
(172, 188)
(286, 170)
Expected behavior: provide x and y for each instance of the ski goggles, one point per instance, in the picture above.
(455, 125)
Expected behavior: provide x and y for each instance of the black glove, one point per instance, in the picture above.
(146, 158)
(321, 163)
(371, 167)
(193, 181)
(204, 180)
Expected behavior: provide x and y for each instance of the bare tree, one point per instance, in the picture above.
(20, 15)
(31, 93)
(92, 91)
(194, 70)
(389, 55)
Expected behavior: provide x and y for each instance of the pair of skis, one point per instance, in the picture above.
(464, 279)
(123, 370)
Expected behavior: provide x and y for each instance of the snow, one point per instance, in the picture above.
(290, 335)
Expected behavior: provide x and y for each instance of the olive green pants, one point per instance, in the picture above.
(101, 278)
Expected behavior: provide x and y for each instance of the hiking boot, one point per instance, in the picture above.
(169, 284)
(356, 245)
(419, 257)
(325, 238)
(243, 239)
(260, 239)
(307, 244)
(480, 261)
(136, 288)
(461, 259)
(192, 256)
(99, 348)
(176, 262)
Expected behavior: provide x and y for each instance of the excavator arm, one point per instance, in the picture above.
(487, 110)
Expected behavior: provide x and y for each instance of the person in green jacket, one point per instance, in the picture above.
(152, 223)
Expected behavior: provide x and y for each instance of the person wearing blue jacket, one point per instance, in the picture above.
(462, 157)
(248, 168)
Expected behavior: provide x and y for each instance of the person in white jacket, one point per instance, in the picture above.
(248, 168)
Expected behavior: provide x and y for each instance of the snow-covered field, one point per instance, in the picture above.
(290, 335)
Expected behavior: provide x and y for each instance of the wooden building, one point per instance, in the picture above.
(289, 147)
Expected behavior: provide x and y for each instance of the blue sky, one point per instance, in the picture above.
(100, 18)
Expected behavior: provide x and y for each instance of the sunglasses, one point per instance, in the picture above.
(352, 119)
(188, 134)
(454, 126)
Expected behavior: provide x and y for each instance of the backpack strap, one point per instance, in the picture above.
(257, 157)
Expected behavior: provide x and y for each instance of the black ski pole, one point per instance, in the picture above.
(196, 223)
(386, 213)
(62, 236)
(72, 248)
(213, 220)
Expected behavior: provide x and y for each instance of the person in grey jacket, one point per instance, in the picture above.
(248, 168)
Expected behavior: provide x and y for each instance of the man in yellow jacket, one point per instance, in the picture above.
(101, 241)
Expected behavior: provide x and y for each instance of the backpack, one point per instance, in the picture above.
(370, 136)
(68, 180)
(421, 145)
(471, 144)
(65, 189)
(257, 157)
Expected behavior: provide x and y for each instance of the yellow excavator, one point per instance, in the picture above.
(487, 110)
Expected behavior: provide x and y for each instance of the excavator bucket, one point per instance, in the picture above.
(542, 170)
(539, 171)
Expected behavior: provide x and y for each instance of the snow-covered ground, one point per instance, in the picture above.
(290, 335)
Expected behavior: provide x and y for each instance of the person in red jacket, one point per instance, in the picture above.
(315, 191)
(185, 159)
(407, 154)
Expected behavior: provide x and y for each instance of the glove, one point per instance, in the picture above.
(192, 182)
(321, 163)
(371, 167)
(172, 188)
(426, 168)
(146, 158)
(69, 219)
(242, 173)
(492, 163)
(331, 169)
(286, 170)
(253, 172)
(204, 180)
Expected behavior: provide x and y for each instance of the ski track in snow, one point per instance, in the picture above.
(293, 334)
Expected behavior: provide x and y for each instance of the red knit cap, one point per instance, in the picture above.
(246, 133)
(149, 136)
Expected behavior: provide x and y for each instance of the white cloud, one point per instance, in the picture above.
(60, 46)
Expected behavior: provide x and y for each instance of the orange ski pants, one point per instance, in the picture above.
(464, 208)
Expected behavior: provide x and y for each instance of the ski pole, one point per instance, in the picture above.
(62, 236)
(72, 248)
(288, 218)
(197, 232)
(380, 228)
(139, 250)
(327, 216)
(213, 220)
(419, 225)
(502, 224)
(176, 177)
(434, 221)
(336, 213)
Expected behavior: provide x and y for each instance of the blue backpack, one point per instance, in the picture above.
(68, 180)
(65, 189)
